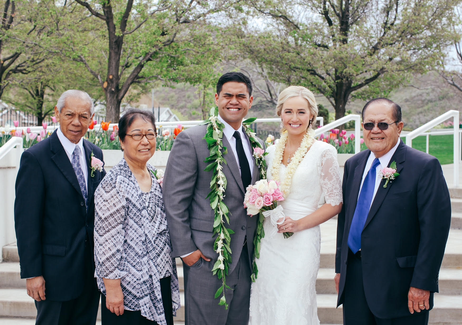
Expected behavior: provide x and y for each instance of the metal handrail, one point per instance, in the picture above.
(10, 145)
(341, 121)
(440, 119)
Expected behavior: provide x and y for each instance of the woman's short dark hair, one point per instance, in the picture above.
(130, 116)
(236, 77)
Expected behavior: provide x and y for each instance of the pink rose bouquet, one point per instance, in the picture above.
(96, 165)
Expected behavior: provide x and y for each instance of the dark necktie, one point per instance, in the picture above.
(362, 208)
(243, 162)
(79, 172)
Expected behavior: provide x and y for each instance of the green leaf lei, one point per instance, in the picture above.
(215, 161)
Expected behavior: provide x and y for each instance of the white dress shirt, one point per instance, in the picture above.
(384, 161)
(229, 134)
(69, 148)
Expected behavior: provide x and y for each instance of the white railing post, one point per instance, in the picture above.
(429, 125)
(456, 149)
(357, 133)
(428, 144)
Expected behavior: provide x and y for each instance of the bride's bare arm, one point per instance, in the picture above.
(319, 216)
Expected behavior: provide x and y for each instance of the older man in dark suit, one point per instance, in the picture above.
(54, 214)
(393, 229)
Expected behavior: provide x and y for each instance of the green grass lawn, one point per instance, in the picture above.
(441, 146)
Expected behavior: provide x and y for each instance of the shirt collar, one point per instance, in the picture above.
(385, 159)
(67, 144)
(229, 130)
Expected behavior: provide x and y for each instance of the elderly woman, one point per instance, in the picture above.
(134, 269)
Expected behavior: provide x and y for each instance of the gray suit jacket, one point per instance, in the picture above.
(185, 188)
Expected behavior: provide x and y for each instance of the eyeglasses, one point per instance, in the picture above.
(381, 125)
(139, 136)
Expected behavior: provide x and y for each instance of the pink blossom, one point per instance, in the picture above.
(387, 172)
(166, 133)
(259, 203)
(361, 141)
(96, 164)
(335, 131)
(43, 134)
(267, 199)
(39, 138)
(16, 123)
(336, 141)
(18, 133)
(340, 143)
(179, 126)
(28, 130)
(277, 195)
(345, 137)
(53, 118)
(112, 137)
(258, 152)
(253, 196)
(321, 136)
(45, 125)
(352, 136)
(346, 141)
(343, 133)
(32, 136)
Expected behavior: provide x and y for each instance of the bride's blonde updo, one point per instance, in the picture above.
(298, 91)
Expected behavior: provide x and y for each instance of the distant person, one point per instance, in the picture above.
(307, 169)
(191, 217)
(393, 229)
(54, 215)
(134, 269)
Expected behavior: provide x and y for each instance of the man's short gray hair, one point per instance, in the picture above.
(77, 94)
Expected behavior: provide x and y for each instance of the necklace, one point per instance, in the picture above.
(293, 162)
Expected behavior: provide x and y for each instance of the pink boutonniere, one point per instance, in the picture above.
(96, 165)
(389, 174)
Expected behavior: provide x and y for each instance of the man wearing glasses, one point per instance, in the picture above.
(393, 227)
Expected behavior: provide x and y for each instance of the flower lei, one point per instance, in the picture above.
(306, 144)
(222, 244)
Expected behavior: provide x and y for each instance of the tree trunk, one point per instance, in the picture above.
(112, 106)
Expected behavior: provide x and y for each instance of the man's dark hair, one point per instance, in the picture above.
(130, 116)
(397, 116)
(236, 77)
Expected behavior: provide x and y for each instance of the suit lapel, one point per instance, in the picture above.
(88, 152)
(232, 164)
(399, 157)
(63, 163)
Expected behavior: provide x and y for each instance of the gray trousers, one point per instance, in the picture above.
(201, 308)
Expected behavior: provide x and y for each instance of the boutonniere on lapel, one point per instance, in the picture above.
(259, 155)
(389, 174)
(96, 165)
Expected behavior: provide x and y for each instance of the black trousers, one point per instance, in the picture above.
(79, 311)
(355, 308)
(135, 317)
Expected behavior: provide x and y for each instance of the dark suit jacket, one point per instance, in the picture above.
(405, 234)
(51, 221)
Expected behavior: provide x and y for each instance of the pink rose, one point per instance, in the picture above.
(387, 172)
(258, 152)
(96, 164)
(253, 197)
(259, 203)
(267, 199)
(277, 195)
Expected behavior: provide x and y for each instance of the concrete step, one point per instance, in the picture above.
(456, 193)
(10, 277)
(456, 220)
(10, 253)
(456, 205)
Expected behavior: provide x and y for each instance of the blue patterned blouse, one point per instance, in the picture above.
(132, 242)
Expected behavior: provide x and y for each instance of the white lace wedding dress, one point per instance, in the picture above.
(284, 292)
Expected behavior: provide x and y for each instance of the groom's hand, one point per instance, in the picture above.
(337, 281)
(192, 258)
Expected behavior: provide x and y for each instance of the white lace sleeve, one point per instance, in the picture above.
(331, 181)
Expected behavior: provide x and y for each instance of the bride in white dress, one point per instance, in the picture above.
(308, 172)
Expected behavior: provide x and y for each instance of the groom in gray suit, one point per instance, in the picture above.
(190, 217)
